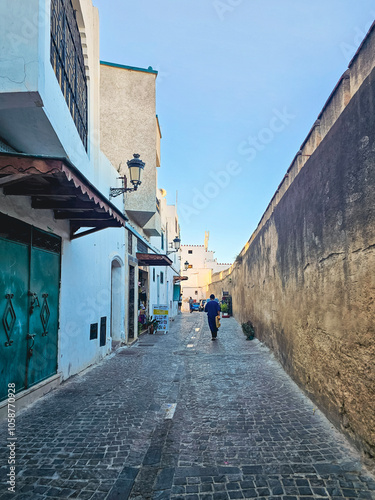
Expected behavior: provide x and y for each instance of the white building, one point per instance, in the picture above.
(201, 264)
(129, 124)
(69, 268)
(167, 279)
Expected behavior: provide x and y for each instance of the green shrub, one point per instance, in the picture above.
(224, 307)
(248, 330)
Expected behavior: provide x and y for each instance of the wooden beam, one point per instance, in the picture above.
(74, 227)
(85, 233)
(61, 204)
(40, 191)
(7, 180)
(83, 216)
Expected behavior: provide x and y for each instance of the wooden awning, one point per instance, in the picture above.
(153, 259)
(55, 184)
(177, 279)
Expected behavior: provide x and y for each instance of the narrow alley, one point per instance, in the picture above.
(179, 416)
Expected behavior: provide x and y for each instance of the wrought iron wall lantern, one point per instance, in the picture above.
(176, 244)
(135, 169)
(186, 265)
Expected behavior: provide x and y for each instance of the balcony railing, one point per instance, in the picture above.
(68, 62)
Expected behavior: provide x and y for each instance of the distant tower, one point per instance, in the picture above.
(206, 238)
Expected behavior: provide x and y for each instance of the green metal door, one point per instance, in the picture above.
(29, 298)
(14, 269)
(43, 322)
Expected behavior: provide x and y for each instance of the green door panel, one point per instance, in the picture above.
(29, 301)
(14, 282)
(176, 292)
(44, 282)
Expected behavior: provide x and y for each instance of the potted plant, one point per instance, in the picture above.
(248, 330)
(152, 325)
(224, 310)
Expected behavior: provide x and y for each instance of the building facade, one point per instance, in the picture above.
(167, 290)
(129, 125)
(199, 263)
(69, 253)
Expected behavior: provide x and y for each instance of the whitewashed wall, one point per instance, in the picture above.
(31, 102)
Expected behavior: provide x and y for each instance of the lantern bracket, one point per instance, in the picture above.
(113, 192)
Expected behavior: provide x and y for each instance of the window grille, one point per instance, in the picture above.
(141, 247)
(68, 62)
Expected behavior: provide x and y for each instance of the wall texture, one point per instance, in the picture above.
(128, 126)
(306, 277)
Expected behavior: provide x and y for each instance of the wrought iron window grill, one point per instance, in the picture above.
(130, 243)
(68, 62)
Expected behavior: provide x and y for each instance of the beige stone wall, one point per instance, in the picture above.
(306, 276)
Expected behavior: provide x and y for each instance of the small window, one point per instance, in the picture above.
(190, 251)
(161, 277)
(153, 274)
(103, 330)
(196, 292)
(93, 331)
(162, 240)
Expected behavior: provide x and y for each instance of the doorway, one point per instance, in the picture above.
(116, 300)
(29, 304)
(131, 301)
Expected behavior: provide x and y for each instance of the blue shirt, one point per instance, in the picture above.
(212, 308)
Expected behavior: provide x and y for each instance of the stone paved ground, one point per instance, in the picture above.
(241, 428)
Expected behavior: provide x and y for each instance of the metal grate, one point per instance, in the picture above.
(14, 229)
(130, 243)
(68, 62)
(46, 241)
(141, 247)
(21, 232)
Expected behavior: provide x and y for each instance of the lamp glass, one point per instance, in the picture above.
(177, 243)
(135, 175)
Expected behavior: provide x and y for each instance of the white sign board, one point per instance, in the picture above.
(161, 314)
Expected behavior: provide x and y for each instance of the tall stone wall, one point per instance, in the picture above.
(306, 278)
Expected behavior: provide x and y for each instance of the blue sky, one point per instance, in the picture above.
(240, 84)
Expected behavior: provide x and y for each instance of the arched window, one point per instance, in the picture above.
(68, 62)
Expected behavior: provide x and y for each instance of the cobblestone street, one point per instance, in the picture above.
(241, 428)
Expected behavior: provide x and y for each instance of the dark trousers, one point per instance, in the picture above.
(212, 325)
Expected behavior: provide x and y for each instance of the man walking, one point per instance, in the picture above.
(191, 302)
(212, 308)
